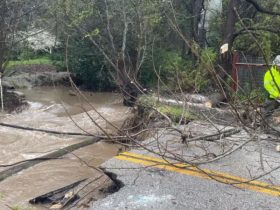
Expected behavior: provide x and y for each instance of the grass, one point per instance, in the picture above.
(40, 60)
(175, 113)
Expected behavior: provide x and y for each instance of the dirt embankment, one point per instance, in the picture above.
(28, 76)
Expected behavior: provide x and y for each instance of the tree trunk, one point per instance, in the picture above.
(193, 32)
(126, 76)
(228, 33)
(209, 101)
(197, 7)
(130, 94)
(224, 116)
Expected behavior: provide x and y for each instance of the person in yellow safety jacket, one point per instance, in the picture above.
(272, 85)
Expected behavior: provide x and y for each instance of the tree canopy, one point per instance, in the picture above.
(127, 43)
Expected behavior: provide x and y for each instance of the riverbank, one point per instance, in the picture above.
(26, 77)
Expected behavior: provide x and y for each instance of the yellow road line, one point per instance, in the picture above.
(205, 173)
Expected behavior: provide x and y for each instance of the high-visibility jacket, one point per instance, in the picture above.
(272, 82)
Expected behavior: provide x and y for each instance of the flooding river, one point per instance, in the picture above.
(50, 109)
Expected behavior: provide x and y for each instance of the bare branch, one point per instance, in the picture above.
(262, 9)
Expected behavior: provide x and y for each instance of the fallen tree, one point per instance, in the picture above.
(224, 116)
(210, 101)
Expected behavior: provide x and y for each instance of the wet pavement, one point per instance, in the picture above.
(150, 182)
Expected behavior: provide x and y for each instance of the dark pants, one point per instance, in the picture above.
(269, 106)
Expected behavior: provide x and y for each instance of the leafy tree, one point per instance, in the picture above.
(15, 15)
(251, 20)
(117, 30)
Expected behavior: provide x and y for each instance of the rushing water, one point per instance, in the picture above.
(54, 109)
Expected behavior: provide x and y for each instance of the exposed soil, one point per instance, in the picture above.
(29, 76)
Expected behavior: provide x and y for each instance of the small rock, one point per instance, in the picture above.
(278, 148)
(69, 195)
(72, 93)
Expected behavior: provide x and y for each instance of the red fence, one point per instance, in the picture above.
(247, 72)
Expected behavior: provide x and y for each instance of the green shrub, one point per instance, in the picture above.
(89, 66)
(202, 72)
(257, 96)
(179, 73)
(173, 70)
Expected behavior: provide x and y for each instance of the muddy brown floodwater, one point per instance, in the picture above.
(47, 111)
